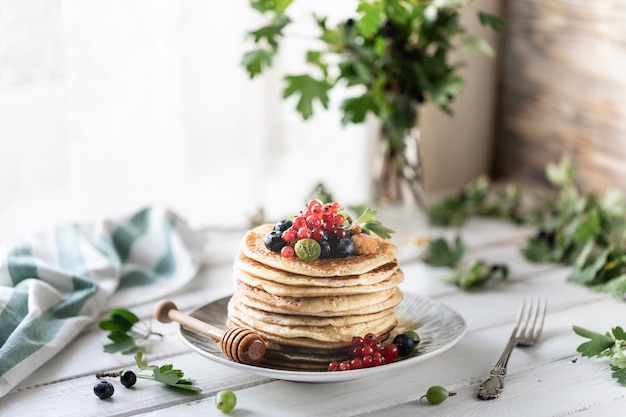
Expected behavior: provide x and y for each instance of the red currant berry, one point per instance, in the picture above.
(369, 338)
(287, 252)
(377, 359)
(389, 352)
(313, 203)
(334, 207)
(317, 234)
(290, 235)
(376, 346)
(366, 361)
(299, 222)
(327, 208)
(344, 366)
(357, 341)
(303, 233)
(338, 219)
(367, 350)
(339, 233)
(317, 210)
(354, 352)
(333, 366)
(313, 222)
(329, 226)
(356, 363)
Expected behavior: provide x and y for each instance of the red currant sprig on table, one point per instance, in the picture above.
(367, 351)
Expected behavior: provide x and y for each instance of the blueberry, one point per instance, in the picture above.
(274, 241)
(326, 250)
(405, 343)
(283, 225)
(128, 378)
(103, 389)
(342, 248)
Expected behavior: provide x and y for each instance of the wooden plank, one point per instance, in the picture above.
(563, 90)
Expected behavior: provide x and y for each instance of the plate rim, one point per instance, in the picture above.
(325, 376)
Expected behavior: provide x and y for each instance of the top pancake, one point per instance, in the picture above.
(253, 247)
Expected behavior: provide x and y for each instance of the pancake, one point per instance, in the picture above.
(278, 289)
(253, 247)
(331, 305)
(305, 342)
(320, 333)
(257, 269)
(392, 301)
(300, 320)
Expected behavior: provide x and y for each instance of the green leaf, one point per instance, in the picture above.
(619, 373)
(371, 17)
(256, 60)
(271, 32)
(494, 22)
(561, 174)
(588, 228)
(356, 108)
(123, 333)
(367, 220)
(596, 346)
(619, 333)
(587, 274)
(474, 274)
(165, 374)
(309, 89)
(475, 43)
(264, 6)
(440, 253)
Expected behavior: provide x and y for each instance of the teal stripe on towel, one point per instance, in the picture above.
(21, 264)
(14, 312)
(40, 331)
(126, 234)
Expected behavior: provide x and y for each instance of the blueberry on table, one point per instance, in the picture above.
(103, 389)
(128, 378)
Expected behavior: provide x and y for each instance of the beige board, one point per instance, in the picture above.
(253, 247)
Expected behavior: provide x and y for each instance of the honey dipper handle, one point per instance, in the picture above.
(166, 311)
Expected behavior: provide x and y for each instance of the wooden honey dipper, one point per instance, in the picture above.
(238, 343)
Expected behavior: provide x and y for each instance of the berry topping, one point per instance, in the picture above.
(336, 233)
(274, 240)
(307, 249)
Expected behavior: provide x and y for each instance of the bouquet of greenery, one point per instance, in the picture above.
(394, 55)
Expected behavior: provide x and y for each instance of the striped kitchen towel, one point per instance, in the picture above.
(57, 282)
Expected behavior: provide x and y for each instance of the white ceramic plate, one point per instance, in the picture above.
(438, 326)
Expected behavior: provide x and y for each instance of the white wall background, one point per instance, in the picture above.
(108, 106)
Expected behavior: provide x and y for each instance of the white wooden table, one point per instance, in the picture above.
(551, 379)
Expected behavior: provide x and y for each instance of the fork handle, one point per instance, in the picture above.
(494, 385)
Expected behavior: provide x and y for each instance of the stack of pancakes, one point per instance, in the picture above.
(308, 312)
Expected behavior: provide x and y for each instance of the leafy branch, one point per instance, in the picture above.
(610, 344)
(464, 275)
(396, 51)
(126, 331)
(583, 230)
(367, 221)
(165, 374)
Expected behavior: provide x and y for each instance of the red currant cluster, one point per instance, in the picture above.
(315, 222)
(366, 352)
(318, 231)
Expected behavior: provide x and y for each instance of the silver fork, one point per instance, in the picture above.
(527, 332)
